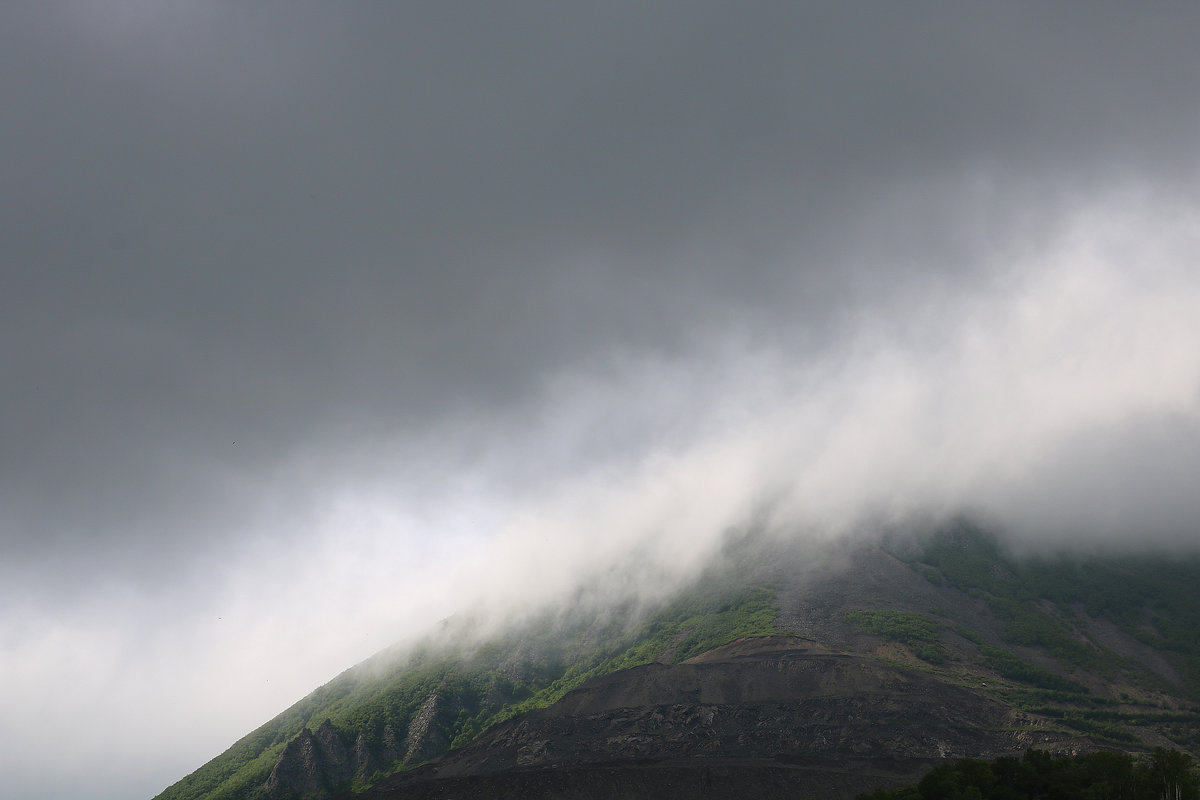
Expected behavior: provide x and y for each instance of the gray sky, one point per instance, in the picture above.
(321, 322)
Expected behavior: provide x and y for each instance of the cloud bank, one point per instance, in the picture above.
(320, 324)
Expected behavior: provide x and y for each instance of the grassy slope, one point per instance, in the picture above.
(1039, 603)
(1035, 603)
(1154, 599)
(477, 689)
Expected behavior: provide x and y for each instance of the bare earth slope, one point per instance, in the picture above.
(769, 716)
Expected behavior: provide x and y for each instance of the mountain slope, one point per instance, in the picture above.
(401, 708)
(1080, 653)
(776, 712)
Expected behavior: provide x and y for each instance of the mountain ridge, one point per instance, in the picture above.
(811, 711)
(952, 606)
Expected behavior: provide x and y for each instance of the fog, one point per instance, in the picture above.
(321, 324)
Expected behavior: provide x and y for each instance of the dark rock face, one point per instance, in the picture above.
(297, 773)
(769, 717)
(312, 765)
(336, 762)
(425, 740)
(315, 765)
(364, 761)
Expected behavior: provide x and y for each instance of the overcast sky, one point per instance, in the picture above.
(320, 322)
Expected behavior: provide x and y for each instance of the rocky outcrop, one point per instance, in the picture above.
(316, 764)
(367, 760)
(297, 772)
(424, 739)
(364, 762)
(336, 763)
(313, 765)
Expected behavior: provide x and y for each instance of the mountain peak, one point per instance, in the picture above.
(855, 667)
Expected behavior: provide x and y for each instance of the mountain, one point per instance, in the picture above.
(784, 671)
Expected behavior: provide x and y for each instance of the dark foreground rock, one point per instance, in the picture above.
(764, 717)
(692, 779)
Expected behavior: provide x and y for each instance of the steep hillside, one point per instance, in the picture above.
(764, 717)
(402, 708)
(926, 649)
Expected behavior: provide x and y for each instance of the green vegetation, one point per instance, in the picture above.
(688, 627)
(1036, 600)
(1050, 604)
(1026, 611)
(970, 559)
(1107, 776)
(1027, 626)
(477, 687)
(969, 635)
(1152, 599)
(1018, 669)
(902, 626)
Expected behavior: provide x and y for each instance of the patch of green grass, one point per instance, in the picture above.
(1024, 625)
(901, 626)
(969, 558)
(968, 634)
(932, 654)
(684, 629)
(477, 688)
(1018, 669)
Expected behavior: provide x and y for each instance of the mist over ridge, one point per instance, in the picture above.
(1059, 408)
(608, 678)
(322, 324)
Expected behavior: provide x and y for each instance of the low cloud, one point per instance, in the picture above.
(1061, 399)
(321, 324)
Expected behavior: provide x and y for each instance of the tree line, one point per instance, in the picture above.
(1038, 775)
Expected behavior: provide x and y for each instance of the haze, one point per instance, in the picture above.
(321, 322)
